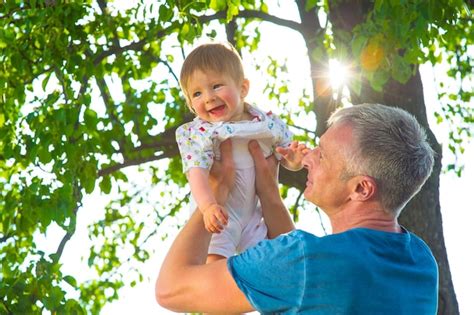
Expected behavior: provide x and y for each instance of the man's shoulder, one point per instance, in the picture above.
(294, 241)
(281, 246)
(296, 236)
(419, 246)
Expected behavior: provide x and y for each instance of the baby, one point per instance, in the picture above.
(215, 87)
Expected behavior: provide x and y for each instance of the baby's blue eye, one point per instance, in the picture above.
(216, 86)
(196, 94)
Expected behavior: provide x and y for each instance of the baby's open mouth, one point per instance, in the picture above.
(217, 110)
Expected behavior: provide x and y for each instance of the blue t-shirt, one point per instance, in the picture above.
(360, 271)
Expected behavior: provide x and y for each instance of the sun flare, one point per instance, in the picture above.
(338, 74)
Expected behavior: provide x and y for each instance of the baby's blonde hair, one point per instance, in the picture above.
(217, 57)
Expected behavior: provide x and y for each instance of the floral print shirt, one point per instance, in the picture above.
(199, 140)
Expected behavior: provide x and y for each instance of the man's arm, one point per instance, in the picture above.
(277, 217)
(186, 282)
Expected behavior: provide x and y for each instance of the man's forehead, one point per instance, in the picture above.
(336, 135)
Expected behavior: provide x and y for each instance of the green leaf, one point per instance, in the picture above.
(44, 155)
(401, 69)
(217, 5)
(88, 177)
(355, 84)
(310, 4)
(73, 307)
(378, 5)
(379, 79)
(45, 81)
(90, 118)
(71, 280)
(105, 184)
(165, 13)
(358, 43)
(53, 298)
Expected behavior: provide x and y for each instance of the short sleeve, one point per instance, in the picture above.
(272, 274)
(195, 146)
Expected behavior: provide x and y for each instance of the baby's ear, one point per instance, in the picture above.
(244, 88)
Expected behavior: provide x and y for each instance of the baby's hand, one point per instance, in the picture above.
(215, 218)
(293, 155)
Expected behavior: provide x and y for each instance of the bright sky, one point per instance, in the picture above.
(457, 210)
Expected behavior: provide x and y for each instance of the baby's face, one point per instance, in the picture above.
(217, 97)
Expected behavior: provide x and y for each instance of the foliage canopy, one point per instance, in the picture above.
(88, 89)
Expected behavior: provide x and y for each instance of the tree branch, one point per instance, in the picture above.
(167, 65)
(61, 79)
(255, 15)
(293, 179)
(63, 242)
(70, 233)
(109, 107)
(132, 162)
(302, 128)
(321, 220)
(10, 13)
(135, 46)
(6, 307)
(296, 205)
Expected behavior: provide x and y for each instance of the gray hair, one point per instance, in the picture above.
(389, 146)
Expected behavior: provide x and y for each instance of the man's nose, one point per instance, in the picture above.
(307, 158)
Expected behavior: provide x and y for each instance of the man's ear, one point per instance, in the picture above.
(244, 88)
(365, 188)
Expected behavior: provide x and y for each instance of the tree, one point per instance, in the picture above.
(89, 91)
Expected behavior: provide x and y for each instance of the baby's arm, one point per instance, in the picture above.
(293, 155)
(215, 216)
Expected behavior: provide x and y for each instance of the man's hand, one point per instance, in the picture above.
(276, 216)
(266, 172)
(222, 174)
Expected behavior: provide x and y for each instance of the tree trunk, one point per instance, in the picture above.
(422, 215)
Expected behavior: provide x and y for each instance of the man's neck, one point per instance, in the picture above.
(370, 218)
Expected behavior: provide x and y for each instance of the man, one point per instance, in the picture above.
(369, 163)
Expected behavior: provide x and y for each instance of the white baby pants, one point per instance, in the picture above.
(246, 226)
